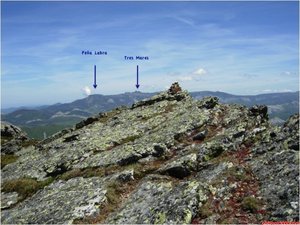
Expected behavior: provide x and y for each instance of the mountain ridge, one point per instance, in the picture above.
(52, 118)
(12, 109)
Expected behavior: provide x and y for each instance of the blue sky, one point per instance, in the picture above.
(235, 47)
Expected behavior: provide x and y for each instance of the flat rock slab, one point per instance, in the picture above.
(60, 202)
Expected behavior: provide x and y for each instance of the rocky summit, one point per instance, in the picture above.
(167, 159)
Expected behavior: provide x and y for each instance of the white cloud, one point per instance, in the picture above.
(192, 76)
(288, 73)
(200, 72)
(86, 91)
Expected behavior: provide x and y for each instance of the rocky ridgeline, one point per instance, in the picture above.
(167, 159)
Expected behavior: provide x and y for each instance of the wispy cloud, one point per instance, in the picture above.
(276, 90)
(196, 75)
(186, 21)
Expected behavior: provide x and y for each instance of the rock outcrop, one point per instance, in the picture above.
(12, 138)
(167, 159)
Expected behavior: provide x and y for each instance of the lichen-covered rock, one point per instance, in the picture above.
(139, 133)
(154, 203)
(8, 199)
(86, 122)
(181, 167)
(9, 130)
(62, 202)
(209, 102)
(168, 159)
(277, 166)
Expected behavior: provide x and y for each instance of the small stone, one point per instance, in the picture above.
(126, 176)
(295, 205)
(159, 150)
(200, 136)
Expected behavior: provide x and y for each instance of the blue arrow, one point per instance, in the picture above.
(95, 83)
(137, 77)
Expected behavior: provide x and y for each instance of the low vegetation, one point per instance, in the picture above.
(29, 142)
(7, 159)
(250, 203)
(25, 187)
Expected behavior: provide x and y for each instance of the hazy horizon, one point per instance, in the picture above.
(241, 48)
(83, 97)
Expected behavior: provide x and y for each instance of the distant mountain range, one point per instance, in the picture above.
(49, 119)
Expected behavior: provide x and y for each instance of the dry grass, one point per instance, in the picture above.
(90, 172)
(29, 142)
(8, 159)
(25, 187)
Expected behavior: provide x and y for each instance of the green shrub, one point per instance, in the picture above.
(250, 203)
